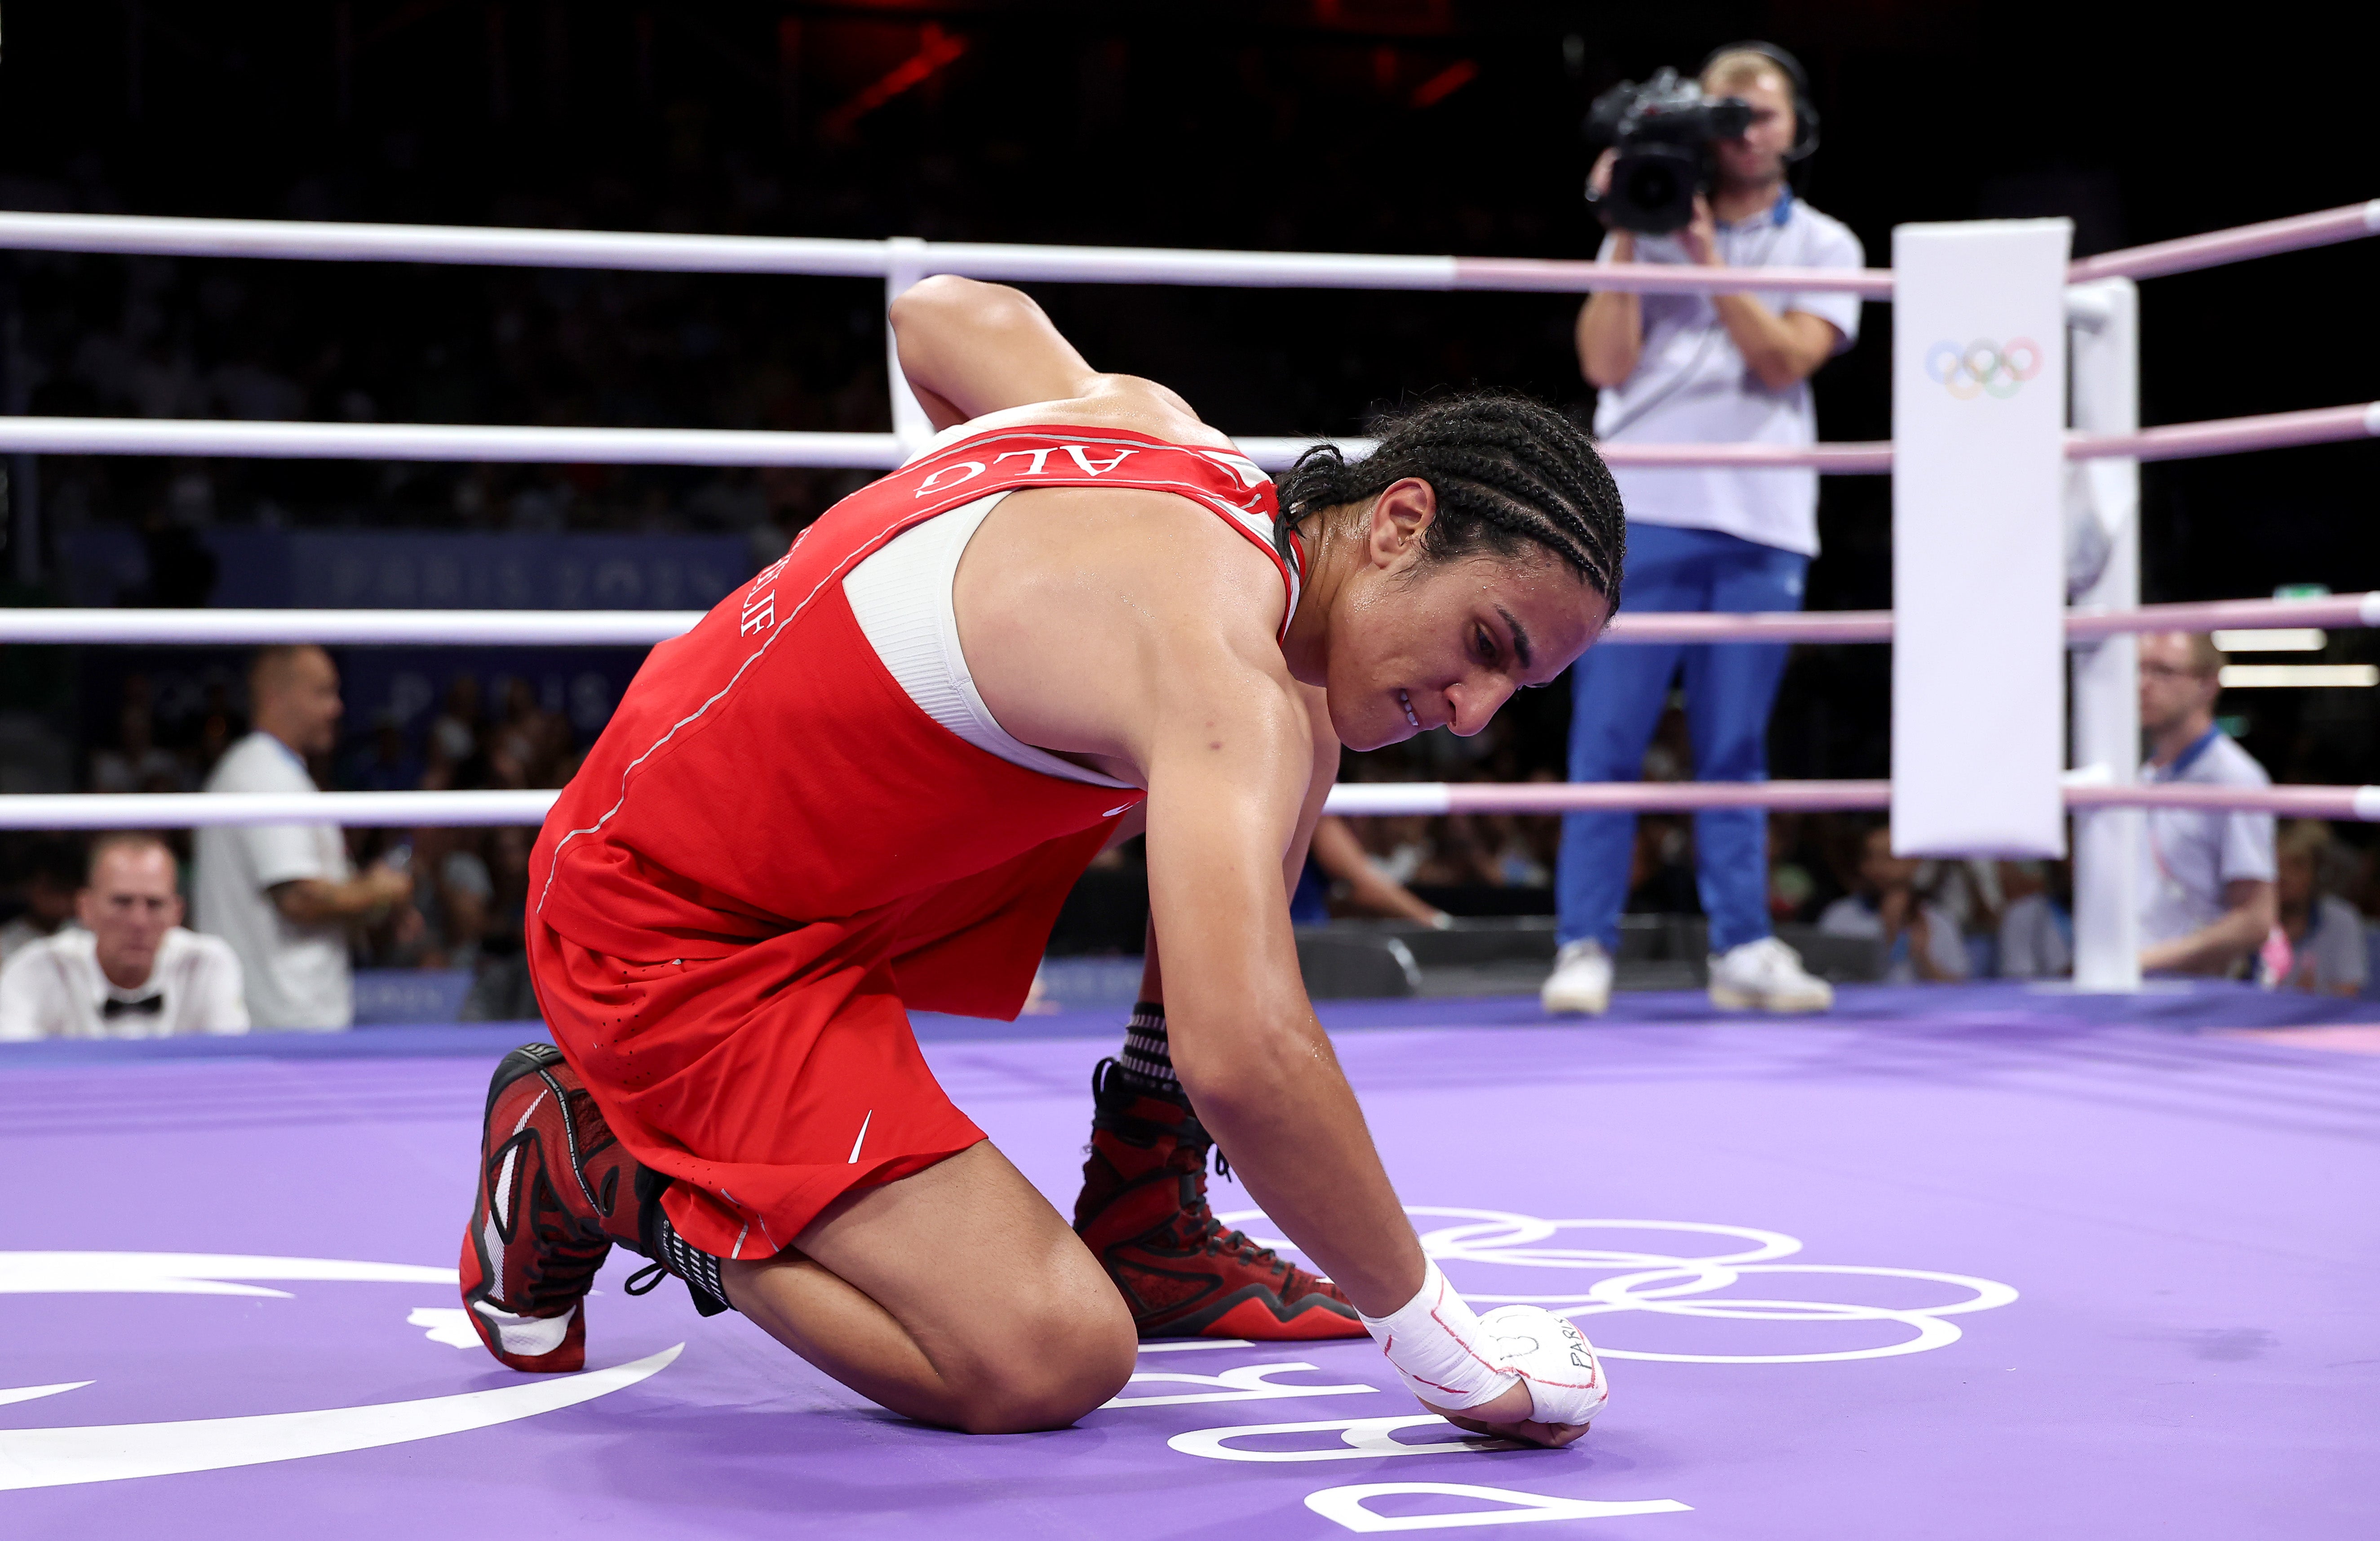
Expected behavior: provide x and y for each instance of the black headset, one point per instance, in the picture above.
(1805, 115)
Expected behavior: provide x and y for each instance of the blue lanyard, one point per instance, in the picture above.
(2189, 756)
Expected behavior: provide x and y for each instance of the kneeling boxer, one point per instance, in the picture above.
(865, 783)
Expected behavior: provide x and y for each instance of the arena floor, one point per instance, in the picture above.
(2008, 1264)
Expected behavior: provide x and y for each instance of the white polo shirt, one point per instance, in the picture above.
(54, 988)
(296, 976)
(1693, 386)
(2188, 855)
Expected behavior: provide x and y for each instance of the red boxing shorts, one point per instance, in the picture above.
(769, 1082)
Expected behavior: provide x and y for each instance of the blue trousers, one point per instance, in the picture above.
(1618, 694)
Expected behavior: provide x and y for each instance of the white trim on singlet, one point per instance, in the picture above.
(901, 596)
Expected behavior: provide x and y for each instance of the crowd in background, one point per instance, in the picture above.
(159, 339)
(1937, 920)
(468, 885)
(491, 734)
(1375, 158)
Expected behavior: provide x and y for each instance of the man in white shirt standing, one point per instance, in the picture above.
(130, 971)
(283, 894)
(1725, 369)
(2207, 901)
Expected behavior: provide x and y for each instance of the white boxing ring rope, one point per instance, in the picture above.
(698, 446)
(2103, 401)
(478, 245)
(642, 628)
(186, 811)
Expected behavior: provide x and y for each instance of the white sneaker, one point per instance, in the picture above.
(1581, 980)
(1766, 976)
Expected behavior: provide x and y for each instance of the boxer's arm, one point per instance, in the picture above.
(973, 349)
(1293, 867)
(1231, 791)
(1138, 632)
(1230, 770)
(970, 348)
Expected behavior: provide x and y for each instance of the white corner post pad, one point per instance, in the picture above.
(1565, 1378)
(1978, 543)
(1439, 1347)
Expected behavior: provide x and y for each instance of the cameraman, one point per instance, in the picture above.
(1729, 369)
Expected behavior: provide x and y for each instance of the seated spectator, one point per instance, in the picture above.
(2036, 929)
(130, 971)
(2324, 933)
(1458, 857)
(455, 731)
(136, 764)
(500, 990)
(1662, 878)
(1397, 843)
(1791, 887)
(1921, 939)
(219, 728)
(528, 743)
(1361, 883)
(428, 927)
(1968, 889)
(49, 898)
(389, 764)
(2206, 879)
(463, 893)
(1516, 849)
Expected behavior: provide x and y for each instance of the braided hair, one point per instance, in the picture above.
(1508, 472)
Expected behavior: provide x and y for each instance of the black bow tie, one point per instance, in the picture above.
(148, 1005)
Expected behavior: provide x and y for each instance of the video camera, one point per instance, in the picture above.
(1663, 130)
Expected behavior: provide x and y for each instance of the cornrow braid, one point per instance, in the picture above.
(1507, 471)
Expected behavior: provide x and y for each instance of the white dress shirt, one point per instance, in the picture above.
(54, 988)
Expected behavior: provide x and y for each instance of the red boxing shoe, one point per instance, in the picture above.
(1143, 1213)
(555, 1191)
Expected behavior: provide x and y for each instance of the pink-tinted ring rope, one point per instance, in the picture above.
(2218, 247)
(1875, 625)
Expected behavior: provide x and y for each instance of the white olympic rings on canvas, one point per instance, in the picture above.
(1673, 1285)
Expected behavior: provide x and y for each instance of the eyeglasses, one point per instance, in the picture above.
(2167, 672)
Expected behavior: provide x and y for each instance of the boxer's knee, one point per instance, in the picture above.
(1062, 1347)
(1050, 1366)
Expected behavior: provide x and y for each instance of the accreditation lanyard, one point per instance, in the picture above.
(2181, 766)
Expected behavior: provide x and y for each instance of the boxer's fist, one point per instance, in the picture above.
(1554, 1360)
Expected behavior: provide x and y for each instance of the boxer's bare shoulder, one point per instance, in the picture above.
(1084, 613)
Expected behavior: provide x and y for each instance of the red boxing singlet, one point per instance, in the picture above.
(771, 851)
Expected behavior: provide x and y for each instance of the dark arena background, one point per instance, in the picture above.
(2064, 1263)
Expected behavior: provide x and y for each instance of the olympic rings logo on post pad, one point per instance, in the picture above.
(1983, 368)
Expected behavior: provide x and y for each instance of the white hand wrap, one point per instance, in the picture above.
(1566, 1382)
(1439, 1349)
